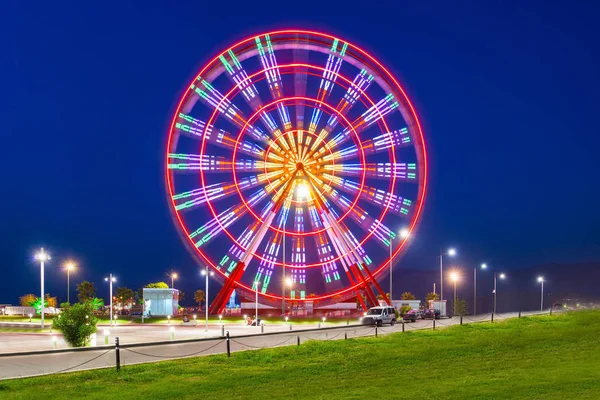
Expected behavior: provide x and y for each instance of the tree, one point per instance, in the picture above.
(27, 300)
(462, 307)
(405, 309)
(431, 296)
(77, 323)
(97, 303)
(199, 297)
(125, 295)
(86, 291)
(37, 304)
(157, 285)
(407, 296)
(50, 301)
(181, 295)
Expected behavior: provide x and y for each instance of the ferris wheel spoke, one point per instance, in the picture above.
(367, 119)
(330, 74)
(269, 64)
(240, 77)
(372, 195)
(297, 262)
(366, 222)
(192, 127)
(329, 269)
(395, 139)
(216, 225)
(196, 197)
(195, 162)
(404, 172)
(300, 82)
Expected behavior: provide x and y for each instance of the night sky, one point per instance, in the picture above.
(508, 93)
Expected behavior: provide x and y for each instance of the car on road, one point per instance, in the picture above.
(413, 315)
(379, 316)
(431, 314)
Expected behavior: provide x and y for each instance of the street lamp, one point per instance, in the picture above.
(403, 234)
(483, 266)
(541, 280)
(454, 278)
(501, 276)
(206, 273)
(256, 283)
(173, 277)
(451, 252)
(110, 281)
(42, 257)
(69, 266)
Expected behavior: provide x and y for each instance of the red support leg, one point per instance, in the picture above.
(377, 285)
(368, 291)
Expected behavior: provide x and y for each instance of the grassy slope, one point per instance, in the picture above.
(553, 357)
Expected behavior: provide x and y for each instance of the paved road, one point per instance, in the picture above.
(30, 365)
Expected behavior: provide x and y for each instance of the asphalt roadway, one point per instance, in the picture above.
(188, 342)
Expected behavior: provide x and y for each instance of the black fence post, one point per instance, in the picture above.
(298, 340)
(519, 313)
(118, 354)
(403, 327)
(228, 344)
(461, 319)
(551, 309)
(375, 330)
(345, 335)
(434, 323)
(492, 317)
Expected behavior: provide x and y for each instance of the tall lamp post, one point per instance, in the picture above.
(451, 252)
(206, 273)
(110, 281)
(42, 257)
(454, 277)
(69, 266)
(541, 280)
(173, 277)
(403, 234)
(256, 284)
(483, 266)
(501, 276)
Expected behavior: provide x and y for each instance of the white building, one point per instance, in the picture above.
(161, 302)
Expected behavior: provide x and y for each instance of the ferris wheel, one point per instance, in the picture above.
(293, 160)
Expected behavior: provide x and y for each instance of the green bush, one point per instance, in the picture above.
(76, 323)
(405, 309)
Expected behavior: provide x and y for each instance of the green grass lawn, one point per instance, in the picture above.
(549, 357)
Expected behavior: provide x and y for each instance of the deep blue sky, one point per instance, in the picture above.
(508, 93)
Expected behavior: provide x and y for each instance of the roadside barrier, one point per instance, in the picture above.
(250, 342)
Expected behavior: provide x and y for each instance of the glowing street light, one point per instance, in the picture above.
(173, 277)
(540, 279)
(404, 232)
(69, 266)
(501, 276)
(451, 252)
(42, 257)
(483, 266)
(110, 280)
(206, 273)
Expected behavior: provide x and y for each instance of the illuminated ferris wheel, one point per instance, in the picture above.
(294, 158)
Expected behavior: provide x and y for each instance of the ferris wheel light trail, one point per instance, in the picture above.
(292, 153)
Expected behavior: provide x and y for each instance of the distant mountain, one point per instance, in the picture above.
(520, 289)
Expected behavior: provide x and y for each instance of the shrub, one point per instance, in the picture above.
(405, 309)
(76, 323)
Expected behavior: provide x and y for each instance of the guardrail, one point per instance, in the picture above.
(136, 353)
